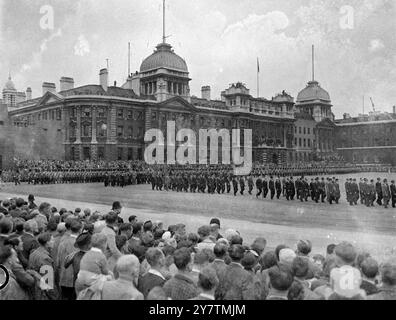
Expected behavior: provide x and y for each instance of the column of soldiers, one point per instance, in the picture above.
(369, 192)
(113, 178)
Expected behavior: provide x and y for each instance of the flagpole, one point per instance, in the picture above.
(258, 79)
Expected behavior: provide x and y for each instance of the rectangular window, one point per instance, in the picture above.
(140, 132)
(119, 153)
(305, 143)
(309, 130)
(86, 153)
(120, 113)
(139, 115)
(58, 114)
(130, 131)
(101, 112)
(295, 141)
(299, 142)
(309, 143)
(304, 130)
(299, 130)
(120, 131)
(130, 114)
(154, 116)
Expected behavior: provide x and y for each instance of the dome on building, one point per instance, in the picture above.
(313, 91)
(9, 85)
(164, 57)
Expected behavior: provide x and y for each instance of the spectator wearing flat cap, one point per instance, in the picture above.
(237, 283)
(117, 208)
(387, 290)
(181, 286)
(31, 204)
(215, 229)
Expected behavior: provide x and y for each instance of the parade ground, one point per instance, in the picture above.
(277, 220)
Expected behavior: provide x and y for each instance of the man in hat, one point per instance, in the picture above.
(117, 208)
(31, 204)
(386, 195)
(378, 189)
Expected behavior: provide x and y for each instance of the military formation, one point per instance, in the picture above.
(370, 192)
(265, 181)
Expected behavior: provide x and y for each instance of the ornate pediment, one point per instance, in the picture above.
(178, 104)
(50, 97)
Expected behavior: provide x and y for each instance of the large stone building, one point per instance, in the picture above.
(100, 121)
(368, 138)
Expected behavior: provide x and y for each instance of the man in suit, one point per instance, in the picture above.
(220, 252)
(110, 232)
(237, 283)
(207, 284)
(124, 288)
(29, 241)
(153, 278)
(66, 247)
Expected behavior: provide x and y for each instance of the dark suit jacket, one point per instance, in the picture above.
(148, 282)
(369, 287)
(237, 284)
(29, 244)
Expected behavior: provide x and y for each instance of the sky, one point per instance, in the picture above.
(355, 44)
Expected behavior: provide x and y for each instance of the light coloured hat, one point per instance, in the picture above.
(167, 235)
(61, 227)
(229, 233)
(286, 256)
(99, 226)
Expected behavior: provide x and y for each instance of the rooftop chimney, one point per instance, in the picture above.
(49, 86)
(29, 93)
(66, 83)
(104, 78)
(205, 92)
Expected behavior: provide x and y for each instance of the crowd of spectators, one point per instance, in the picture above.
(89, 255)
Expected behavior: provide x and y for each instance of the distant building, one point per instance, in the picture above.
(368, 138)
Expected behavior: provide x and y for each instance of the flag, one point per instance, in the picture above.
(258, 65)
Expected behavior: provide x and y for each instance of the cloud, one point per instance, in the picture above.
(271, 22)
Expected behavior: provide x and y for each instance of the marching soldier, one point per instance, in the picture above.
(259, 186)
(271, 186)
(337, 192)
(278, 188)
(265, 187)
(385, 193)
(242, 184)
(250, 184)
(235, 185)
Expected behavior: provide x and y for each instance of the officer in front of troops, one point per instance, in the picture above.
(393, 193)
(250, 184)
(227, 180)
(278, 187)
(385, 193)
(292, 189)
(330, 191)
(235, 185)
(271, 187)
(259, 186)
